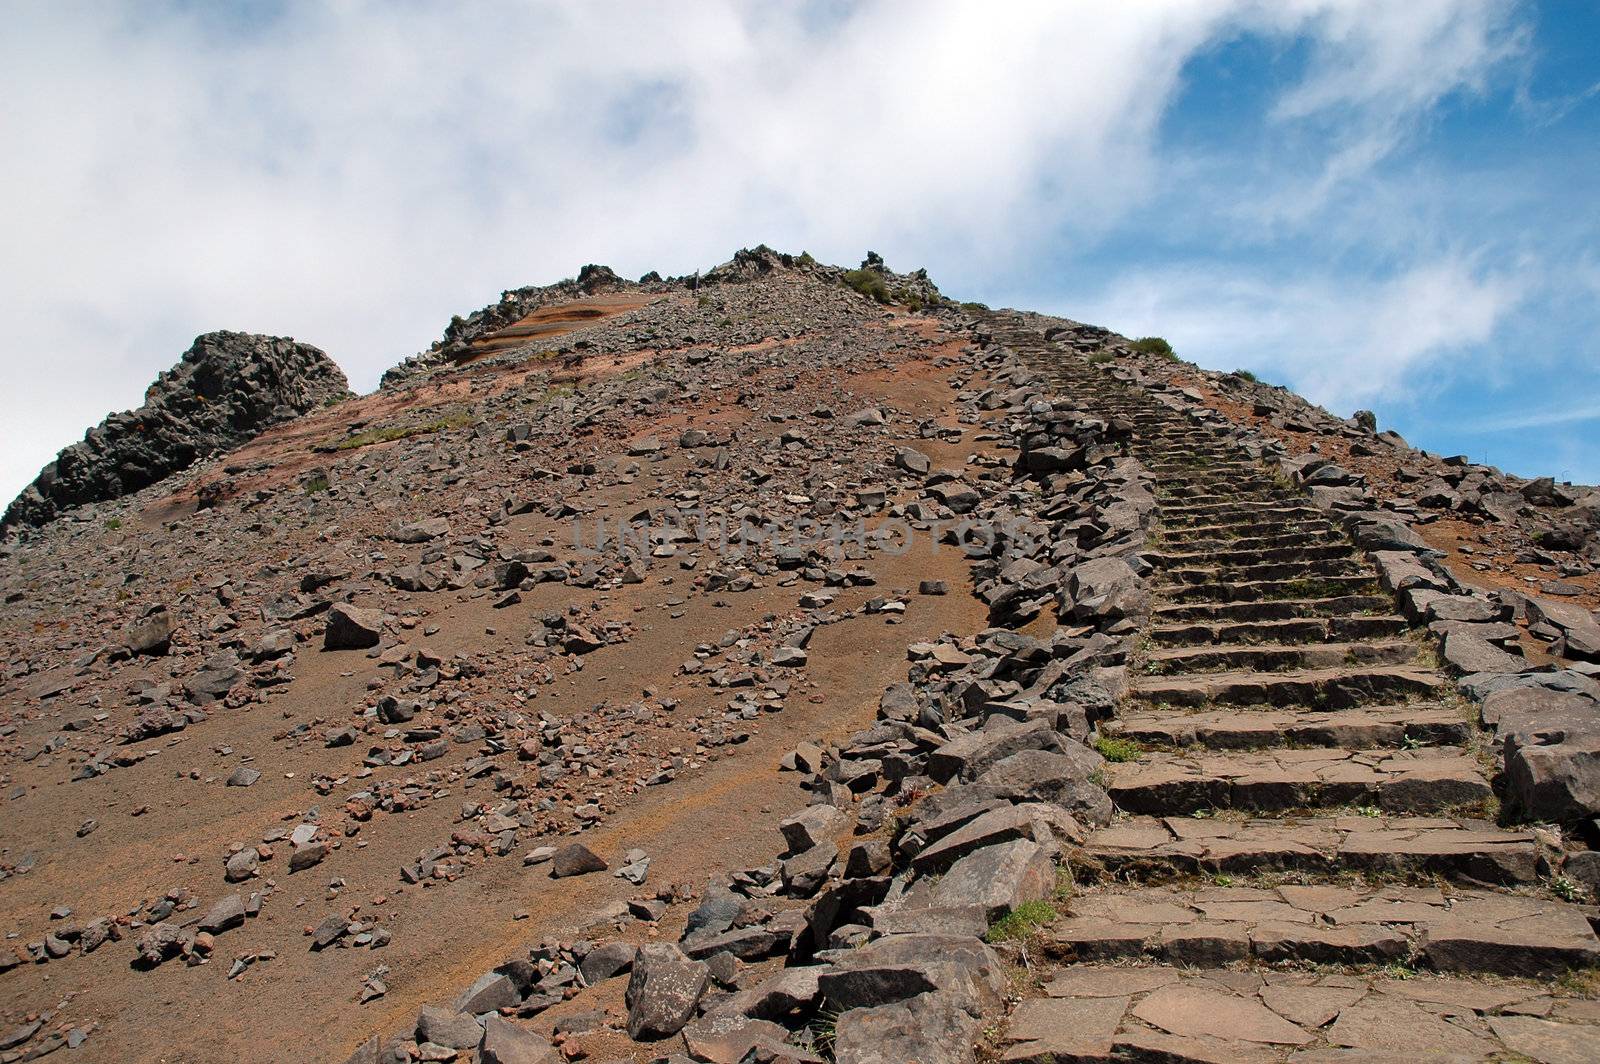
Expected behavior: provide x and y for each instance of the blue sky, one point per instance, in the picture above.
(1384, 205)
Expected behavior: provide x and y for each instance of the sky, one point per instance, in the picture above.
(1384, 205)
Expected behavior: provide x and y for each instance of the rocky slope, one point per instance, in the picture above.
(225, 390)
(743, 668)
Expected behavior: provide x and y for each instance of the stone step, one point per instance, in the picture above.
(1237, 513)
(1427, 780)
(1480, 932)
(1198, 537)
(1476, 851)
(1336, 688)
(1236, 556)
(1289, 630)
(1267, 542)
(1203, 1015)
(1274, 609)
(1212, 484)
(1362, 583)
(1175, 661)
(1208, 485)
(1350, 729)
(1302, 570)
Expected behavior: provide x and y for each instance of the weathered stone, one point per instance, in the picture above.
(506, 1043)
(1196, 1011)
(928, 1029)
(603, 962)
(446, 1027)
(225, 915)
(575, 859)
(352, 628)
(812, 826)
(662, 991)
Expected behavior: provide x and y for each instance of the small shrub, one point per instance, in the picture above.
(975, 308)
(1566, 888)
(1154, 345)
(805, 259)
(1244, 374)
(868, 283)
(1117, 750)
(316, 485)
(113, 524)
(1100, 358)
(1020, 922)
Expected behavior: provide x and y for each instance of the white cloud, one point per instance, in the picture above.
(1537, 419)
(1338, 342)
(352, 174)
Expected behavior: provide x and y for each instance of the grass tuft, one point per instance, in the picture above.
(1020, 922)
(1118, 750)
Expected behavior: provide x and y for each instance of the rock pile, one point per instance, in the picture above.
(227, 388)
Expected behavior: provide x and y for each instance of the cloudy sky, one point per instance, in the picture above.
(1385, 204)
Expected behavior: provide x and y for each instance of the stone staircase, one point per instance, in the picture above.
(1305, 863)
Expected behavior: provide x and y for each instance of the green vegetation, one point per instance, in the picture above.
(113, 524)
(975, 308)
(1154, 345)
(316, 485)
(1566, 888)
(1244, 374)
(868, 283)
(1100, 358)
(805, 259)
(388, 433)
(1117, 750)
(1020, 922)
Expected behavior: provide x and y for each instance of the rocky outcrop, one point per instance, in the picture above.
(747, 266)
(225, 390)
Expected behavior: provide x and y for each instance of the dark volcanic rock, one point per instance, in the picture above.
(227, 388)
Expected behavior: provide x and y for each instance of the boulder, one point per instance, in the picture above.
(997, 878)
(1553, 771)
(927, 1029)
(900, 967)
(224, 915)
(491, 992)
(352, 628)
(970, 754)
(812, 826)
(663, 991)
(603, 962)
(1467, 653)
(419, 531)
(506, 1043)
(446, 1027)
(150, 634)
(575, 859)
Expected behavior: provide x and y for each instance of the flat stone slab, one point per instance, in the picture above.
(1336, 688)
(1470, 850)
(1351, 729)
(1466, 931)
(1228, 1016)
(1427, 780)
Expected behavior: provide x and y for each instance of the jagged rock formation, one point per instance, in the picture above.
(227, 388)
